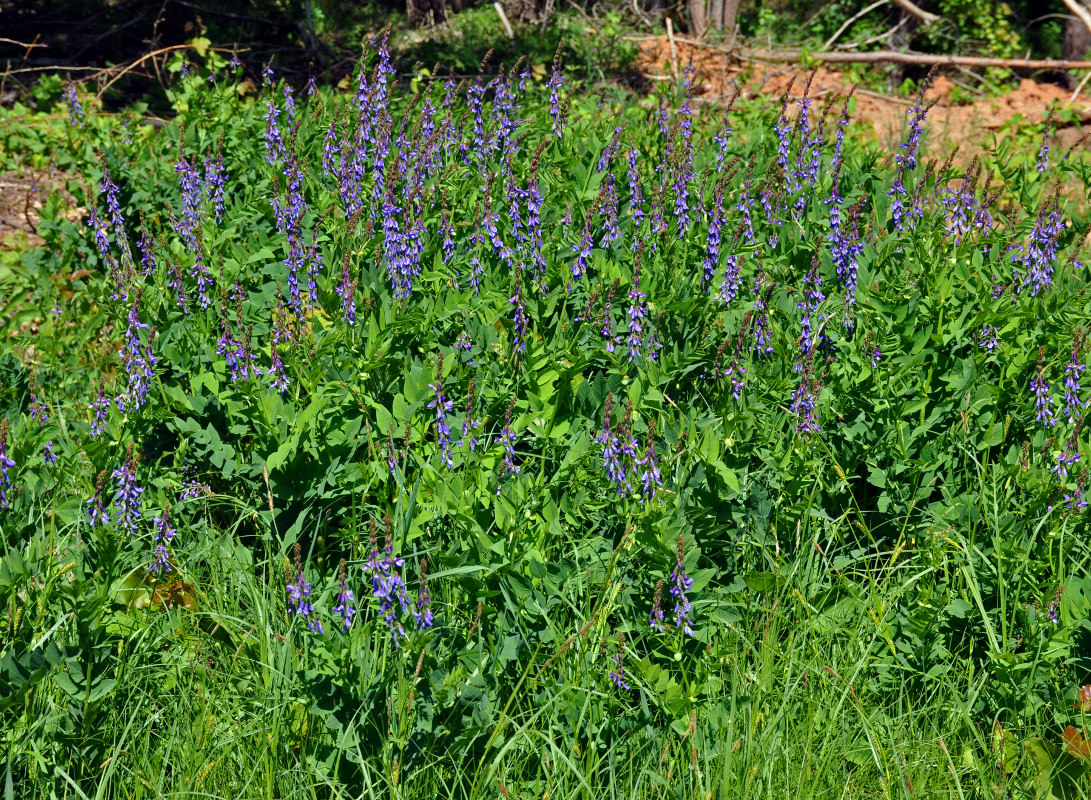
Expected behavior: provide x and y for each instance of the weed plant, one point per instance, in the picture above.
(487, 438)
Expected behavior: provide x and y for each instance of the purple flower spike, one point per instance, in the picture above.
(655, 618)
(299, 593)
(6, 463)
(680, 584)
(127, 500)
(617, 674)
(164, 534)
(507, 439)
(442, 406)
(1043, 398)
(423, 611)
(345, 599)
(97, 512)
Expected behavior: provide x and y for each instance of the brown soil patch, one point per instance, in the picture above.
(22, 195)
(973, 126)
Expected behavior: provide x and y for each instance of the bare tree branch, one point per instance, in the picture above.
(913, 9)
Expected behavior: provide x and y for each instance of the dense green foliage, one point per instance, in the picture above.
(890, 588)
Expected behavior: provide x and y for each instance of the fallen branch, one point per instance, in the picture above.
(928, 60)
(892, 56)
(914, 10)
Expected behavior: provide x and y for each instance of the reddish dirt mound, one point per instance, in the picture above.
(973, 126)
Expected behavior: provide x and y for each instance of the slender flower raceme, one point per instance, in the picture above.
(1072, 373)
(1043, 398)
(680, 584)
(345, 598)
(805, 399)
(617, 674)
(216, 180)
(1034, 263)
(164, 534)
(846, 246)
(298, 590)
(715, 231)
(75, 108)
(638, 311)
(470, 425)
(812, 320)
(442, 406)
(611, 452)
(138, 359)
(655, 618)
(346, 290)
(650, 477)
(423, 611)
(48, 456)
(519, 314)
(509, 466)
(607, 329)
(555, 85)
(636, 193)
(1043, 151)
(6, 463)
(1070, 456)
(94, 502)
(127, 500)
(390, 588)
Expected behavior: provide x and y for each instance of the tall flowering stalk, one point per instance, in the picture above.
(805, 399)
(607, 320)
(656, 617)
(583, 247)
(345, 598)
(617, 674)
(1043, 398)
(907, 158)
(682, 152)
(164, 534)
(636, 192)
(127, 500)
(812, 320)
(470, 426)
(138, 359)
(616, 471)
(846, 246)
(6, 463)
(276, 372)
(1072, 373)
(1043, 151)
(72, 102)
(519, 317)
(389, 588)
(732, 275)
(442, 406)
(650, 477)
(346, 290)
(216, 180)
(680, 584)
(298, 591)
(1034, 263)
(534, 220)
(95, 507)
(638, 311)
(423, 611)
(509, 466)
(555, 86)
(715, 233)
